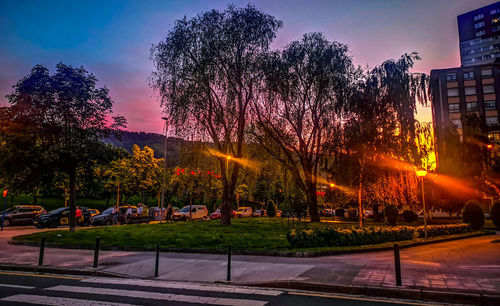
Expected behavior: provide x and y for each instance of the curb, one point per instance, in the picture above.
(54, 270)
(387, 292)
(248, 252)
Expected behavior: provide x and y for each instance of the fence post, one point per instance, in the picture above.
(397, 265)
(157, 259)
(42, 249)
(229, 263)
(96, 251)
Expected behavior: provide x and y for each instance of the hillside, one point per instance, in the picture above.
(152, 140)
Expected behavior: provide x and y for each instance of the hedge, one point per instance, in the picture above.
(367, 235)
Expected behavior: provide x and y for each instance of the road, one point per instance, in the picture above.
(467, 265)
(44, 289)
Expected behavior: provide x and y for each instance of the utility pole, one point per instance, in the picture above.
(164, 178)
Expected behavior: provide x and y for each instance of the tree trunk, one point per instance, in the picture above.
(312, 201)
(226, 206)
(360, 203)
(35, 198)
(72, 195)
(376, 215)
(107, 201)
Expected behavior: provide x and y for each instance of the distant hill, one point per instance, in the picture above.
(152, 140)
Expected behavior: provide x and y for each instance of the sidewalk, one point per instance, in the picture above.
(469, 265)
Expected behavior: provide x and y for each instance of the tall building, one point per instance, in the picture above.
(462, 91)
(479, 33)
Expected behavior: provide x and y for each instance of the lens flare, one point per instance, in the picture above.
(251, 164)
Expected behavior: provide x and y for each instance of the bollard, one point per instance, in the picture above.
(397, 264)
(157, 259)
(96, 251)
(229, 263)
(42, 249)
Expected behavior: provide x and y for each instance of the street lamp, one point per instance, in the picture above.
(228, 157)
(332, 185)
(164, 178)
(421, 174)
(5, 191)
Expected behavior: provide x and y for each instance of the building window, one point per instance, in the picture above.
(495, 20)
(488, 89)
(454, 108)
(479, 16)
(491, 121)
(469, 75)
(486, 73)
(451, 77)
(480, 33)
(495, 11)
(479, 25)
(472, 106)
(452, 92)
(457, 123)
(490, 105)
(495, 29)
(470, 90)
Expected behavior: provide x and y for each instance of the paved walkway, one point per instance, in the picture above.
(471, 265)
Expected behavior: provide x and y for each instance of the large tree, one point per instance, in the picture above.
(304, 88)
(66, 115)
(207, 73)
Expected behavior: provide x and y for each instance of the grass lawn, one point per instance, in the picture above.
(252, 234)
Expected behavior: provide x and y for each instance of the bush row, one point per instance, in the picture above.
(367, 235)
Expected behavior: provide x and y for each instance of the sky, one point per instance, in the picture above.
(112, 39)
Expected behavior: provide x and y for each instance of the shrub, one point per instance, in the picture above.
(410, 216)
(495, 214)
(367, 235)
(473, 214)
(352, 214)
(444, 229)
(391, 214)
(339, 212)
(271, 209)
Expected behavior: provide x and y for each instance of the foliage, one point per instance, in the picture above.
(473, 214)
(271, 209)
(206, 73)
(410, 216)
(308, 238)
(495, 214)
(63, 117)
(391, 214)
(304, 88)
(448, 229)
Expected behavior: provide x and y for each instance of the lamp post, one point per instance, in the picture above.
(421, 174)
(227, 166)
(5, 191)
(332, 185)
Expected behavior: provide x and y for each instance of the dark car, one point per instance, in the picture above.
(60, 216)
(133, 217)
(104, 218)
(22, 214)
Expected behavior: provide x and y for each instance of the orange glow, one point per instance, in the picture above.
(332, 185)
(421, 173)
(228, 157)
(490, 146)
(254, 165)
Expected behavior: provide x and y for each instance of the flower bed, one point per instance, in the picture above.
(367, 235)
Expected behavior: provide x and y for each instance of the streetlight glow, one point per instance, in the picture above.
(421, 173)
(228, 157)
(332, 185)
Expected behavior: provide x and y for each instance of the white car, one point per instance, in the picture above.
(197, 212)
(244, 212)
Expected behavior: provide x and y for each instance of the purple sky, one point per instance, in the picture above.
(112, 38)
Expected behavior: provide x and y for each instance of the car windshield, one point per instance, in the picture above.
(107, 211)
(57, 210)
(9, 210)
(184, 209)
(217, 211)
(241, 209)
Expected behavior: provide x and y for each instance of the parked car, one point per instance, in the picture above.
(327, 212)
(216, 214)
(94, 212)
(60, 216)
(104, 218)
(22, 214)
(134, 217)
(260, 213)
(197, 212)
(244, 212)
(436, 214)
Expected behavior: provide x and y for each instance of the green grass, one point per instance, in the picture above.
(253, 234)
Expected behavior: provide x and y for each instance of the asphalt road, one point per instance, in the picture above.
(43, 289)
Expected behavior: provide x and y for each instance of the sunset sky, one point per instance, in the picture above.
(112, 38)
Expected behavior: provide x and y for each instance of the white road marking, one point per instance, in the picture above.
(159, 296)
(186, 286)
(16, 286)
(57, 301)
